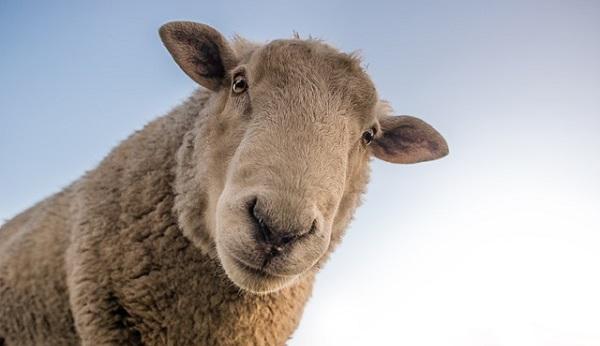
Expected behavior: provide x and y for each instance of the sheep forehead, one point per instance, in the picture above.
(311, 64)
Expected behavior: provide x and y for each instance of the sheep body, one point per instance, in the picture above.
(113, 234)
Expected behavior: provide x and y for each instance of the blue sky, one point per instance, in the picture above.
(496, 244)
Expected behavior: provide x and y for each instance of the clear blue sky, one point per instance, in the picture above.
(497, 244)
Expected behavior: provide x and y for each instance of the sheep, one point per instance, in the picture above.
(208, 226)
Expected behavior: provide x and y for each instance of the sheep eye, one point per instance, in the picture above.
(239, 84)
(368, 136)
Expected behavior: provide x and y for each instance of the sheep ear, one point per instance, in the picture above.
(406, 139)
(200, 51)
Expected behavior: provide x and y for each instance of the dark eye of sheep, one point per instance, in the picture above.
(368, 136)
(239, 84)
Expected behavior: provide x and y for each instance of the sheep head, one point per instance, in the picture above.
(285, 149)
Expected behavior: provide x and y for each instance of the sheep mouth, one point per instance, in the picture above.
(259, 272)
(254, 279)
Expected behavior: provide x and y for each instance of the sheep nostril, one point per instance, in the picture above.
(287, 239)
(277, 239)
(313, 227)
(263, 230)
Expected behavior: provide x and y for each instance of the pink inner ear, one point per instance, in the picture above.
(408, 139)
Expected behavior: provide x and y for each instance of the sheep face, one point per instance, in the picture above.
(286, 147)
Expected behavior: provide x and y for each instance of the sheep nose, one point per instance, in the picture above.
(267, 233)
